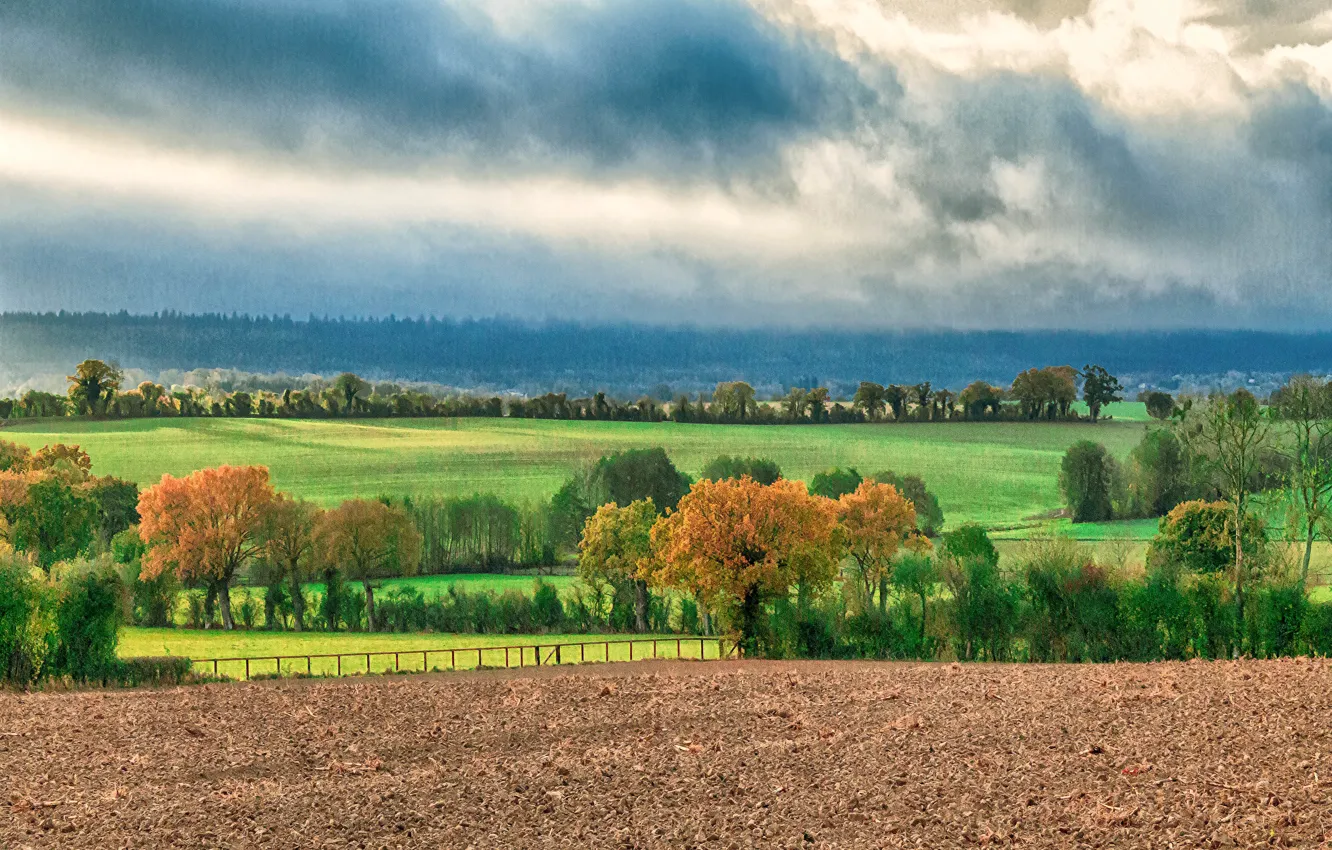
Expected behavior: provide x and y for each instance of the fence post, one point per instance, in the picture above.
(307, 665)
(506, 658)
(247, 669)
(582, 652)
(215, 667)
(453, 659)
(425, 662)
(395, 662)
(537, 650)
(607, 652)
(558, 659)
(339, 664)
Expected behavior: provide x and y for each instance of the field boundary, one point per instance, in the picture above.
(541, 654)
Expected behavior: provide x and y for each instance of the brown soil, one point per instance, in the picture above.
(718, 755)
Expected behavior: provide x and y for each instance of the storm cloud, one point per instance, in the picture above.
(1072, 163)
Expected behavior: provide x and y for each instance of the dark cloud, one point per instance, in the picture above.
(673, 85)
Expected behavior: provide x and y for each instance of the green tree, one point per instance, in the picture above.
(628, 476)
(1198, 537)
(352, 391)
(93, 385)
(55, 522)
(1231, 434)
(1160, 474)
(725, 467)
(1304, 404)
(835, 483)
(916, 574)
(289, 546)
(929, 515)
(1099, 388)
(735, 399)
(117, 505)
(1087, 478)
(616, 549)
(1160, 406)
(869, 398)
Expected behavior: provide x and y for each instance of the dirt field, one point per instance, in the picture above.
(718, 755)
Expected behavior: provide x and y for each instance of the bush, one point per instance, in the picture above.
(88, 620)
(27, 624)
(1088, 477)
(164, 670)
(1073, 611)
(983, 610)
(547, 609)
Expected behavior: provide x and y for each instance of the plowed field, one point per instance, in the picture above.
(718, 755)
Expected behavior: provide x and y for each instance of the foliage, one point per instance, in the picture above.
(929, 515)
(635, 474)
(1159, 475)
(27, 624)
(206, 526)
(55, 521)
(762, 470)
(116, 503)
(1088, 478)
(616, 549)
(153, 670)
(739, 544)
(289, 548)
(835, 483)
(1198, 537)
(93, 385)
(1160, 406)
(88, 617)
(876, 521)
(1099, 388)
(366, 540)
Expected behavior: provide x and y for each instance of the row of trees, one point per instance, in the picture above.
(95, 389)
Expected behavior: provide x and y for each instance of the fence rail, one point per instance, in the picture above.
(474, 657)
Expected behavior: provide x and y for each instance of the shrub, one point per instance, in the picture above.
(88, 618)
(689, 621)
(1073, 611)
(835, 483)
(983, 610)
(547, 609)
(27, 624)
(164, 670)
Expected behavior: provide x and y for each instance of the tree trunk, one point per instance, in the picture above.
(751, 607)
(224, 603)
(297, 603)
(640, 606)
(1239, 577)
(883, 595)
(922, 622)
(210, 604)
(707, 619)
(369, 606)
(1309, 534)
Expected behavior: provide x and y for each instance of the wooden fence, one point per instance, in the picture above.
(472, 657)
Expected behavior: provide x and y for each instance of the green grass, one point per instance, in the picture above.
(999, 474)
(431, 586)
(196, 644)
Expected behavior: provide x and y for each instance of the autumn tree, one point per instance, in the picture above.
(73, 461)
(738, 545)
(1099, 388)
(877, 521)
(368, 539)
(206, 526)
(616, 549)
(288, 535)
(93, 384)
(14, 457)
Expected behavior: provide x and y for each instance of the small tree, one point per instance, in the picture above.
(917, 574)
(351, 388)
(1199, 537)
(739, 545)
(1160, 477)
(367, 540)
(617, 549)
(876, 522)
(1305, 405)
(206, 526)
(929, 515)
(56, 521)
(289, 545)
(1099, 388)
(870, 398)
(1087, 478)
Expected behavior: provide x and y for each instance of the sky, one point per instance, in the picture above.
(1110, 164)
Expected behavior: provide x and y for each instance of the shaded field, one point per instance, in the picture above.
(1000, 473)
(438, 585)
(722, 754)
(445, 649)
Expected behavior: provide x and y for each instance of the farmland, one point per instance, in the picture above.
(1000, 474)
(685, 754)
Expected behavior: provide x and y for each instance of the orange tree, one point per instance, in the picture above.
(877, 521)
(367, 540)
(738, 545)
(617, 548)
(205, 526)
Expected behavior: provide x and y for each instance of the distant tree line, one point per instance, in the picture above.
(1045, 394)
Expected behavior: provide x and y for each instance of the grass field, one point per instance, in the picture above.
(470, 582)
(136, 642)
(999, 474)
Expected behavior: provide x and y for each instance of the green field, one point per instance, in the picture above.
(1000, 474)
(135, 642)
(431, 586)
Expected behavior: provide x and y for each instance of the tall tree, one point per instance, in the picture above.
(1305, 405)
(1099, 388)
(629, 476)
(289, 546)
(352, 390)
(366, 540)
(924, 396)
(869, 397)
(794, 404)
(1087, 478)
(1160, 405)
(56, 521)
(736, 399)
(616, 549)
(1230, 434)
(206, 526)
(739, 545)
(895, 396)
(92, 385)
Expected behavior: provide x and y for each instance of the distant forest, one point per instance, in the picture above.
(503, 355)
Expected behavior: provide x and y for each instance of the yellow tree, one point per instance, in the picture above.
(289, 544)
(877, 521)
(367, 539)
(93, 385)
(205, 526)
(740, 545)
(617, 548)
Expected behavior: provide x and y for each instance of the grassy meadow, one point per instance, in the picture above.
(1001, 474)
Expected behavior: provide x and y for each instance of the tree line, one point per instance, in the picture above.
(95, 390)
